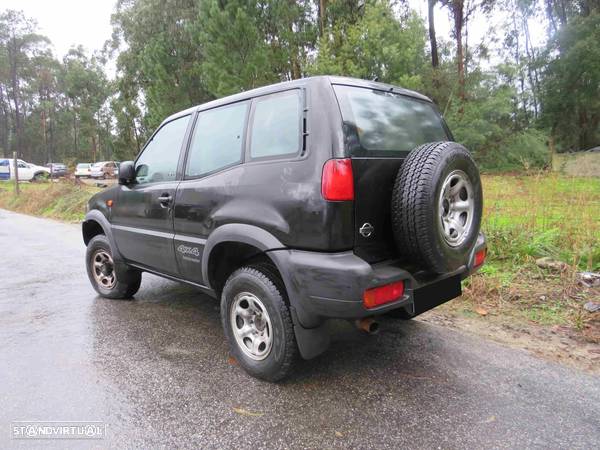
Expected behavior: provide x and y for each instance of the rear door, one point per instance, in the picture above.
(142, 215)
(381, 127)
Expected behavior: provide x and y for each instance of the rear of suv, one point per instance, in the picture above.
(292, 204)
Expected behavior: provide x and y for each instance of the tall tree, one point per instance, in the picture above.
(20, 43)
(435, 59)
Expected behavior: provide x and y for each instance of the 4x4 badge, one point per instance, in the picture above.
(366, 230)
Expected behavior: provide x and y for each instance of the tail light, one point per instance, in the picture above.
(337, 183)
(383, 294)
(480, 258)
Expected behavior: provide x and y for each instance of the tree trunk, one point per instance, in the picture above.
(322, 12)
(532, 73)
(457, 12)
(75, 134)
(5, 125)
(435, 62)
(12, 57)
(94, 147)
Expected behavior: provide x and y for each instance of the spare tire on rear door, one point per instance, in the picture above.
(436, 206)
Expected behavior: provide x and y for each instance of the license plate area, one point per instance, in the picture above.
(434, 294)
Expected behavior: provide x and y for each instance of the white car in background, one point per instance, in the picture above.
(27, 171)
(104, 169)
(83, 170)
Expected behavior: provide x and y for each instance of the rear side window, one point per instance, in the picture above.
(217, 140)
(158, 161)
(276, 125)
(382, 123)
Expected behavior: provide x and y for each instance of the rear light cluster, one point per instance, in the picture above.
(381, 295)
(480, 257)
(337, 183)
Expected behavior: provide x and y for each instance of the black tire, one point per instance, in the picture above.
(416, 207)
(127, 280)
(40, 176)
(261, 281)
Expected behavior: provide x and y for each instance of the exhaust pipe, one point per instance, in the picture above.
(368, 325)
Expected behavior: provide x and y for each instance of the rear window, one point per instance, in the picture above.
(383, 123)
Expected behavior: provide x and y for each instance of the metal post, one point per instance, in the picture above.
(16, 167)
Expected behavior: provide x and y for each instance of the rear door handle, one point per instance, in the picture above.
(165, 200)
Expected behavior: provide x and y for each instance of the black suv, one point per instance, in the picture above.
(295, 203)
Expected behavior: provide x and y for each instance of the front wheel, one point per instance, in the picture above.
(109, 279)
(258, 324)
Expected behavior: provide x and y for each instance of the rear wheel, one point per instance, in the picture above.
(40, 176)
(110, 280)
(258, 324)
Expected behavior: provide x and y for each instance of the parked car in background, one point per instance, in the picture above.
(83, 170)
(104, 169)
(27, 171)
(57, 170)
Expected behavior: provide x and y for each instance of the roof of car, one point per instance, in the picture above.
(298, 83)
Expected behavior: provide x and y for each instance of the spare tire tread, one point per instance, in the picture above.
(419, 162)
(413, 202)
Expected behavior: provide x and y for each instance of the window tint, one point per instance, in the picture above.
(276, 125)
(217, 140)
(381, 122)
(158, 161)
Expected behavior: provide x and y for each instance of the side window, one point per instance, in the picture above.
(158, 161)
(217, 140)
(276, 125)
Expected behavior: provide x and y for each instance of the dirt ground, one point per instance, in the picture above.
(559, 343)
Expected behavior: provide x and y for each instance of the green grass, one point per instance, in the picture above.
(64, 200)
(527, 217)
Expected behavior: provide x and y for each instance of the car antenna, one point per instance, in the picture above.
(375, 79)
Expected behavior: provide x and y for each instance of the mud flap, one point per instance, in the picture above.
(311, 341)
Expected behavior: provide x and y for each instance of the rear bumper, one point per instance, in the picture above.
(331, 285)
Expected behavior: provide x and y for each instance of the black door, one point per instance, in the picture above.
(142, 216)
(210, 181)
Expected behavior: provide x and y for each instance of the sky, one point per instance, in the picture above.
(68, 22)
(87, 22)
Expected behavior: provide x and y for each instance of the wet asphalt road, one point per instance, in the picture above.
(156, 371)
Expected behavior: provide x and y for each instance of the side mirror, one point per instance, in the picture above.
(126, 172)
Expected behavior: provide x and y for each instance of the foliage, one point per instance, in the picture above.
(572, 85)
(378, 45)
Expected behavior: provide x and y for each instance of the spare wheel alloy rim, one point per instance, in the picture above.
(456, 207)
(251, 326)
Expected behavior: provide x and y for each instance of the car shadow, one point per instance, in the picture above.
(180, 324)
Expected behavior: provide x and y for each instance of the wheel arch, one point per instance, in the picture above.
(251, 243)
(96, 223)
(250, 240)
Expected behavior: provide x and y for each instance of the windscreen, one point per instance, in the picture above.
(383, 123)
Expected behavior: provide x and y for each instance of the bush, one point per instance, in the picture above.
(525, 150)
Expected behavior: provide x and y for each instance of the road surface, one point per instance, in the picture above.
(156, 371)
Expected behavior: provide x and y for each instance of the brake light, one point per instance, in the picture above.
(337, 183)
(383, 294)
(480, 257)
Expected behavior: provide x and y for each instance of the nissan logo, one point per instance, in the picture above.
(366, 230)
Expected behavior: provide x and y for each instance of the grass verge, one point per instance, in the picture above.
(525, 218)
(64, 200)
